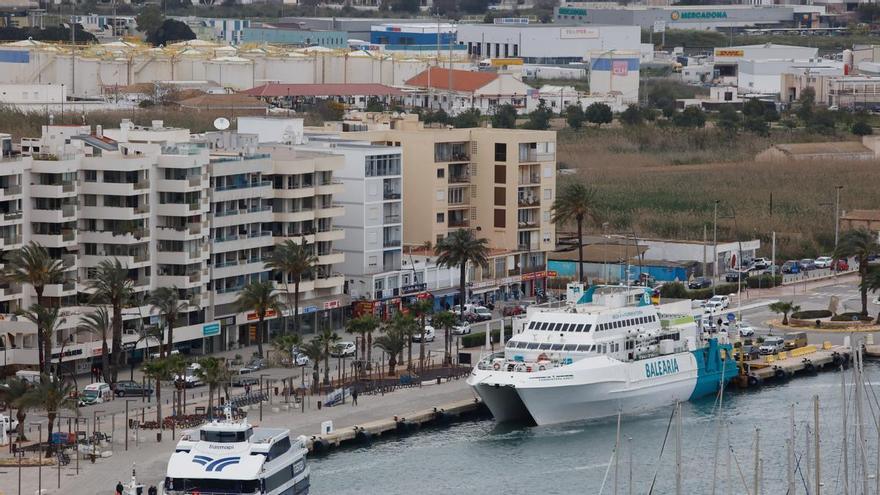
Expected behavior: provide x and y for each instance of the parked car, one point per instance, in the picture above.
(699, 283)
(301, 359)
(824, 262)
(749, 352)
(344, 349)
(190, 376)
(772, 345)
(95, 393)
(461, 328)
(760, 263)
(734, 276)
(129, 388)
(243, 377)
(8, 422)
(791, 266)
(256, 364)
(808, 264)
(428, 335)
(722, 301)
(795, 340)
(841, 266)
(481, 313)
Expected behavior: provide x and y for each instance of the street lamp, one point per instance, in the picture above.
(39, 460)
(262, 375)
(715, 247)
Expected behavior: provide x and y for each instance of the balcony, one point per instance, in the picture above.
(68, 261)
(391, 194)
(12, 190)
(13, 215)
(330, 235)
(528, 247)
(391, 243)
(331, 258)
(528, 202)
(334, 280)
(330, 211)
(451, 152)
(392, 218)
(528, 224)
(457, 224)
(459, 179)
(529, 179)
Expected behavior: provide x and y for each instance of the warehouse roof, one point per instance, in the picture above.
(352, 89)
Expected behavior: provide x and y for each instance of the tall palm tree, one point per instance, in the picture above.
(47, 320)
(176, 366)
(284, 344)
(364, 326)
(98, 324)
(113, 287)
(213, 372)
(33, 265)
(859, 244)
(392, 343)
(421, 308)
(575, 202)
(872, 284)
(51, 395)
(407, 326)
(293, 261)
(314, 350)
(457, 249)
(445, 320)
(329, 339)
(261, 298)
(784, 308)
(166, 301)
(11, 392)
(157, 370)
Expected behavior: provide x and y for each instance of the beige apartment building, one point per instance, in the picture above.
(500, 182)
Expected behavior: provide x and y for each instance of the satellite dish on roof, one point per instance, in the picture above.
(221, 123)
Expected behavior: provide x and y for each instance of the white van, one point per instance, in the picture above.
(190, 377)
(95, 393)
(28, 376)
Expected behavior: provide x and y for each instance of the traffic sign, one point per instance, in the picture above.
(659, 26)
(731, 317)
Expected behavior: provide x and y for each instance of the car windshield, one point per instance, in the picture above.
(90, 394)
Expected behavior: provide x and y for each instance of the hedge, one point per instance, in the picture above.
(811, 314)
(850, 317)
(677, 290)
(764, 281)
(479, 338)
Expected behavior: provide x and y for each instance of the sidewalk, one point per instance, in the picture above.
(151, 457)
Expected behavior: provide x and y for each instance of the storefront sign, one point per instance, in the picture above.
(129, 346)
(572, 11)
(97, 351)
(619, 67)
(331, 304)
(722, 52)
(210, 329)
(253, 316)
(67, 353)
(551, 273)
(568, 33)
(309, 309)
(409, 289)
(698, 14)
(363, 308)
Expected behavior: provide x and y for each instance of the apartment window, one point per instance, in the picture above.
(500, 196)
(372, 260)
(90, 200)
(441, 195)
(500, 174)
(548, 193)
(439, 239)
(500, 218)
(441, 218)
(91, 176)
(441, 173)
(500, 152)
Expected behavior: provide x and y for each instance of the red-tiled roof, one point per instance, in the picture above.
(353, 89)
(462, 80)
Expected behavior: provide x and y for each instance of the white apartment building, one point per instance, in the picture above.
(177, 214)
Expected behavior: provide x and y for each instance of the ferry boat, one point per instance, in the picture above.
(233, 457)
(605, 350)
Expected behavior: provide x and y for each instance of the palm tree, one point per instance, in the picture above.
(284, 344)
(407, 326)
(166, 301)
(113, 287)
(575, 202)
(33, 265)
(364, 326)
(457, 249)
(859, 244)
(51, 395)
(445, 320)
(421, 308)
(213, 372)
(97, 323)
(157, 370)
(784, 308)
(11, 392)
(314, 350)
(392, 343)
(47, 320)
(261, 298)
(176, 366)
(329, 339)
(293, 261)
(872, 284)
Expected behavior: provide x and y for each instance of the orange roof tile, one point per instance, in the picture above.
(462, 80)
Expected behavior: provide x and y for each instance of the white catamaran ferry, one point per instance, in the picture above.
(610, 350)
(233, 457)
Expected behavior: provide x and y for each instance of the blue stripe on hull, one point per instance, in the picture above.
(710, 368)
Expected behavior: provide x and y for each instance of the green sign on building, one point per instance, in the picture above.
(572, 11)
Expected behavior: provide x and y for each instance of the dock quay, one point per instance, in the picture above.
(809, 359)
(397, 425)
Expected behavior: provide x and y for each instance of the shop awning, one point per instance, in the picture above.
(445, 292)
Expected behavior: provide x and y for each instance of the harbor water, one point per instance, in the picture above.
(483, 457)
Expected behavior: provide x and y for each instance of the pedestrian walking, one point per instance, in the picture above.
(152, 490)
(354, 397)
(119, 488)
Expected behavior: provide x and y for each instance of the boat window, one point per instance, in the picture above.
(577, 327)
(544, 346)
(532, 345)
(222, 436)
(583, 348)
(208, 485)
(544, 325)
(565, 327)
(569, 347)
(532, 325)
(556, 347)
(587, 327)
(279, 448)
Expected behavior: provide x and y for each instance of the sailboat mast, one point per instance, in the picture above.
(791, 446)
(678, 448)
(617, 453)
(845, 432)
(816, 439)
(757, 460)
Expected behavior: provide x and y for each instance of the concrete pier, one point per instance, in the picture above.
(808, 359)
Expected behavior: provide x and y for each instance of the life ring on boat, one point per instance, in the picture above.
(496, 366)
(780, 374)
(541, 368)
(542, 357)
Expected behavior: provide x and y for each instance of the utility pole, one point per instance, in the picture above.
(773, 262)
(630, 484)
(704, 250)
(837, 217)
(715, 247)
(757, 460)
